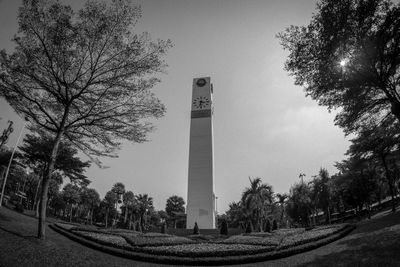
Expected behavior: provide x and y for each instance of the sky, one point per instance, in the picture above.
(264, 126)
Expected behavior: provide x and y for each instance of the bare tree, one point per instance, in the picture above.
(83, 76)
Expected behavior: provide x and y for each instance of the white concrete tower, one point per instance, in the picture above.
(201, 199)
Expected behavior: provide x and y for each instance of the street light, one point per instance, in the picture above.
(301, 176)
(9, 163)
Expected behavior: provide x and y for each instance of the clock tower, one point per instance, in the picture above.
(201, 199)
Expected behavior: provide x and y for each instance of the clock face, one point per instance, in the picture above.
(201, 102)
(201, 82)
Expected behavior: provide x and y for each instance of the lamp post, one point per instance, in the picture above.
(301, 176)
(9, 163)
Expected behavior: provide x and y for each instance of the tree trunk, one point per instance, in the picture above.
(389, 178)
(35, 203)
(70, 214)
(142, 221)
(42, 207)
(106, 217)
(47, 176)
(130, 221)
(126, 214)
(91, 216)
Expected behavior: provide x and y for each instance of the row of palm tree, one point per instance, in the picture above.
(133, 207)
(258, 205)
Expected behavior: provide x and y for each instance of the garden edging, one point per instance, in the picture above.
(205, 260)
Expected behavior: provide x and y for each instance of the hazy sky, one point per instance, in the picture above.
(264, 126)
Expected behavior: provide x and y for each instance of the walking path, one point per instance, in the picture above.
(375, 242)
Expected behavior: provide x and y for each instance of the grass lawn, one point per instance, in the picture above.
(375, 242)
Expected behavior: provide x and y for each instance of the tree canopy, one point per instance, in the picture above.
(348, 57)
(36, 151)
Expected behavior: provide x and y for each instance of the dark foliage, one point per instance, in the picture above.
(274, 225)
(268, 226)
(164, 228)
(196, 230)
(224, 228)
(249, 228)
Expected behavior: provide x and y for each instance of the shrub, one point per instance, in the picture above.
(19, 207)
(196, 230)
(224, 228)
(137, 227)
(274, 225)
(268, 226)
(249, 228)
(163, 228)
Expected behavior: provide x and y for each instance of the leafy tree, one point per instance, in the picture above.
(36, 151)
(119, 189)
(320, 193)
(224, 228)
(348, 57)
(175, 204)
(299, 203)
(58, 203)
(268, 226)
(129, 200)
(71, 196)
(249, 227)
(378, 143)
(274, 225)
(82, 76)
(109, 203)
(236, 215)
(145, 204)
(91, 199)
(255, 198)
(281, 200)
(359, 181)
(164, 228)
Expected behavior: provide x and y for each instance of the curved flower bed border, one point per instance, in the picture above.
(133, 253)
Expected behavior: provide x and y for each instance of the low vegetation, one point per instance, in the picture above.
(235, 248)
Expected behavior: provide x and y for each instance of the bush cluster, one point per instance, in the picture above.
(249, 228)
(196, 230)
(19, 207)
(268, 227)
(274, 225)
(224, 228)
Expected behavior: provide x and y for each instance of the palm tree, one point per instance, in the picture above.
(109, 202)
(127, 198)
(281, 201)
(145, 203)
(255, 198)
(119, 190)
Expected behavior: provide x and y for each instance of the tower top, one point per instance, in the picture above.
(203, 83)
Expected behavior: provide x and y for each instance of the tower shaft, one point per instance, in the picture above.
(201, 199)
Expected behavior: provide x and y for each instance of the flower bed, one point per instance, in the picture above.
(270, 240)
(243, 248)
(104, 239)
(311, 235)
(210, 253)
(206, 250)
(143, 240)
